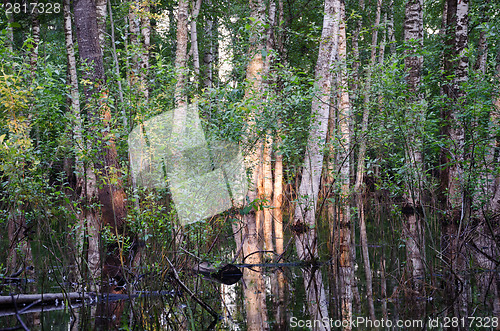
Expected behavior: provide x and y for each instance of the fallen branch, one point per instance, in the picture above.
(42, 298)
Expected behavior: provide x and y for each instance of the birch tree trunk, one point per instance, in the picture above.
(413, 230)
(359, 187)
(194, 38)
(77, 132)
(101, 12)
(145, 26)
(344, 263)
(304, 225)
(181, 53)
(453, 181)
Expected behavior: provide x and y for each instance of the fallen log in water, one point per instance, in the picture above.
(10, 300)
(227, 274)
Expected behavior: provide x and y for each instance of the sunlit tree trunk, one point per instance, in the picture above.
(267, 176)
(255, 296)
(304, 225)
(456, 201)
(413, 230)
(359, 187)
(279, 297)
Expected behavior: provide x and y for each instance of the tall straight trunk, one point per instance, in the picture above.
(145, 27)
(208, 56)
(390, 28)
(456, 201)
(117, 66)
(359, 186)
(101, 11)
(344, 263)
(255, 296)
(267, 176)
(355, 87)
(106, 176)
(181, 53)
(482, 56)
(413, 230)
(10, 32)
(279, 298)
(304, 225)
(134, 35)
(194, 38)
(77, 130)
(35, 34)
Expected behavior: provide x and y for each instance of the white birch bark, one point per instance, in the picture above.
(413, 231)
(305, 211)
(194, 38)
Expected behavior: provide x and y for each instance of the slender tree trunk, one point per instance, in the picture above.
(344, 263)
(304, 225)
(390, 28)
(101, 11)
(194, 38)
(208, 56)
(267, 195)
(413, 230)
(279, 298)
(356, 89)
(267, 176)
(255, 297)
(77, 125)
(145, 26)
(10, 32)
(117, 67)
(181, 53)
(359, 187)
(453, 181)
(35, 34)
(134, 33)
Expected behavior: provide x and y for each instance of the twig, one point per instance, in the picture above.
(185, 288)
